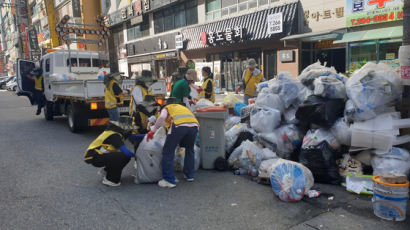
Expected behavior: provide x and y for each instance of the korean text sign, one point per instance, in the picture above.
(365, 12)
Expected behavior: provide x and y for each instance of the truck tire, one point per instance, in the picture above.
(49, 111)
(74, 118)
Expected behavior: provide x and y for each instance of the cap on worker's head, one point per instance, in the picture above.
(171, 100)
(143, 79)
(252, 63)
(116, 76)
(207, 70)
(191, 75)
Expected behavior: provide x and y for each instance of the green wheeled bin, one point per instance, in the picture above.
(212, 136)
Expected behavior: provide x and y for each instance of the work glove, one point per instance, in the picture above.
(199, 90)
(150, 135)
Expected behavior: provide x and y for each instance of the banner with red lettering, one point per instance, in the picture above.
(366, 12)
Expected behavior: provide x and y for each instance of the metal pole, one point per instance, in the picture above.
(406, 23)
(20, 49)
(403, 65)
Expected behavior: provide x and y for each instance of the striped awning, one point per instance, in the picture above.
(255, 26)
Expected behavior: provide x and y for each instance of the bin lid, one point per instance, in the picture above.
(210, 109)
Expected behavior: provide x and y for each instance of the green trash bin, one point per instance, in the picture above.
(212, 134)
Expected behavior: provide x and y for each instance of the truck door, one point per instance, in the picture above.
(25, 85)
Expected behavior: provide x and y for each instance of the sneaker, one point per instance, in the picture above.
(109, 183)
(102, 172)
(176, 180)
(165, 184)
(188, 179)
(38, 112)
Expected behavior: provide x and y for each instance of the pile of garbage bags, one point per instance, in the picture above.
(319, 126)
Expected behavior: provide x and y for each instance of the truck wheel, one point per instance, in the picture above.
(48, 111)
(74, 118)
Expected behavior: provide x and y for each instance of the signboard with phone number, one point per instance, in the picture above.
(365, 12)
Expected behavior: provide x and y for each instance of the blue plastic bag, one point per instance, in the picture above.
(238, 107)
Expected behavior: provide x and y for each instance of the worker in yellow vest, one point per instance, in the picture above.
(113, 95)
(251, 77)
(207, 91)
(109, 152)
(139, 93)
(38, 94)
(183, 128)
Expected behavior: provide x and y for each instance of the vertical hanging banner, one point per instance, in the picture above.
(76, 8)
(275, 23)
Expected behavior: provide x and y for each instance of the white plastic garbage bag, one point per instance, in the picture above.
(230, 100)
(234, 158)
(290, 115)
(202, 103)
(283, 140)
(341, 130)
(232, 121)
(310, 73)
(316, 136)
(290, 180)
(265, 120)
(396, 161)
(148, 158)
(251, 156)
(232, 134)
(329, 87)
(372, 88)
(265, 169)
(270, 100)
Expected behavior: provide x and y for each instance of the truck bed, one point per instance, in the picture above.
(84, 89)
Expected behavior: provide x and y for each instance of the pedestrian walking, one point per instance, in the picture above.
(113, 95)
(109, 152)
(182, 130)
(207, 91)
(251, 77)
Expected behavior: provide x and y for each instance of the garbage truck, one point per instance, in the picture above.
(73, 86)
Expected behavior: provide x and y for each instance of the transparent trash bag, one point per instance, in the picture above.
(329, 87)
(396, 161)
(265, 120)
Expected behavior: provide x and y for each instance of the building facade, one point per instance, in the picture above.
(281, 35)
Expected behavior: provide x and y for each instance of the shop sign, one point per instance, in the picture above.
(228, 35)
(179, 44)
(326, 14)
(128, 12)
(76, 8)
(366, 12)
(146, 5)
(162, 45)
(32, 33)
(136, 20)
(275, 23)
(286, 56)
(390, 56)
(328, 44)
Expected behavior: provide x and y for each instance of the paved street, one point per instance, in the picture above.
(46, 185)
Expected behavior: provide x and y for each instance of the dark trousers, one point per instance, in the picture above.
(185, 137)
(39, 99)
(114, 163)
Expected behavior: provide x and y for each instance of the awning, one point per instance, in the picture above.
(383, 33)
(255, 24)
(315, 36)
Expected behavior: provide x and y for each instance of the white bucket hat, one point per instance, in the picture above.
(252, 63)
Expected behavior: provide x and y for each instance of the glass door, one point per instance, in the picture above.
(270, 64)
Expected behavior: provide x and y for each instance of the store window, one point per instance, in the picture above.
(221, 8)
(362, 52)
(138, 31)
(177, 16)
(389, 52)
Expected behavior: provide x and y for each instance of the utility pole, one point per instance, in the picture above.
(404, 58)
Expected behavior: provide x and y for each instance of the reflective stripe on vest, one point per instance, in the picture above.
(180, 114)
(251, 83)
(99, 146)
(38, 82)
(203, 93)
(110, 97)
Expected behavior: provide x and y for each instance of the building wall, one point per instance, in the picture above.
(291, 67)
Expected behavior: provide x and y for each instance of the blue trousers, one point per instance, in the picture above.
(114, 114)
(185, 137)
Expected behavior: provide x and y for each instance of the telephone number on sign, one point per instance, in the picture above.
(377, 18)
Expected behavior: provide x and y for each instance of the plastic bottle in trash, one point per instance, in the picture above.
(241, 172)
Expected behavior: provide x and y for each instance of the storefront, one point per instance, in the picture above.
(157, 54)
(375, 32)
(226, 45)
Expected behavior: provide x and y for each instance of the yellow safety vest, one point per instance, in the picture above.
(98, 143)
(38, 82)
(144, 119)
(251, 83)
(110, 97)
(203, 93)
(179, 115)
